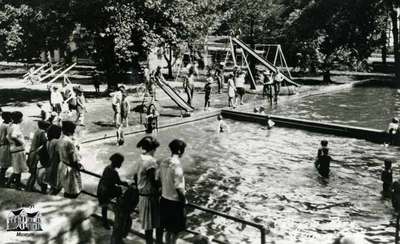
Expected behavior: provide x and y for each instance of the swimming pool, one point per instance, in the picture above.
(268, 176)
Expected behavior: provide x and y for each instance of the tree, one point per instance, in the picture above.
(340, 30)
(392, 6)
(18, 42)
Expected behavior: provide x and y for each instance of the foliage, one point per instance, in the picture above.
(17, 41)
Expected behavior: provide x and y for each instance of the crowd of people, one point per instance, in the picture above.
(52, 160)
(63, 102)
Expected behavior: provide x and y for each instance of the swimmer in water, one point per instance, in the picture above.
(222, 126)
(387, 178)
(392, 130)
(396, 196)
(324, 144)
(323, 162)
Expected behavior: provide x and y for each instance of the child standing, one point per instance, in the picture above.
(173, 198)
(69, 162)
(56, 100)
(17, 150)
(145, 173)
(231, 91)
(240, 79)
(323, 163)
(39, 140)
(125, 110)
(207, 90)
(80, 107)
(5, 156)
(108, 186)
(387, 178)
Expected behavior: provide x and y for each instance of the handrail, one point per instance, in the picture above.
(207, 210)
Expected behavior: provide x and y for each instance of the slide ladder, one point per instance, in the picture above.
(266, 63)
(174, 95)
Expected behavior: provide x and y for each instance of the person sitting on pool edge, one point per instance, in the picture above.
(323, 163)
(387, 178)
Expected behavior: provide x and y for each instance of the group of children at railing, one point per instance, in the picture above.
(157, 187)
(52, 158)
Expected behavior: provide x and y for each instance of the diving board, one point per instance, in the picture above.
(174, 95)
(263, 61)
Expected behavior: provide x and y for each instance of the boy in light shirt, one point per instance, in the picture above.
(173, 199)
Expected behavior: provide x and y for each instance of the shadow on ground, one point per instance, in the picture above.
(19, 97)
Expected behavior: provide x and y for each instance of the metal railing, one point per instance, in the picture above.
(207, 210)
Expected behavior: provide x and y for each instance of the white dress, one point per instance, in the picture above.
(18, 158)
(231, 88)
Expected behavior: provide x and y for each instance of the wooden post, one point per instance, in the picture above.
(248, 68)
(233, 51)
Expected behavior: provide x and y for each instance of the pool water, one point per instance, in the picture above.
(358, 106)
(268, 176)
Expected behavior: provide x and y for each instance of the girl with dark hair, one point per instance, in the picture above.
(51, 175)
(69, 162)
(5, 156)
(145, 174)
(108, 186)
(173, 199)
(39, 140)
(17, 150)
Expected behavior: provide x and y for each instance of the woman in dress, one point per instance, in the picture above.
(17, 150)
(145, 174)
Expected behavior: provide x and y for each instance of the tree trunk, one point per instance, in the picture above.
(327, 76)
(170, 63)
(395, 31)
